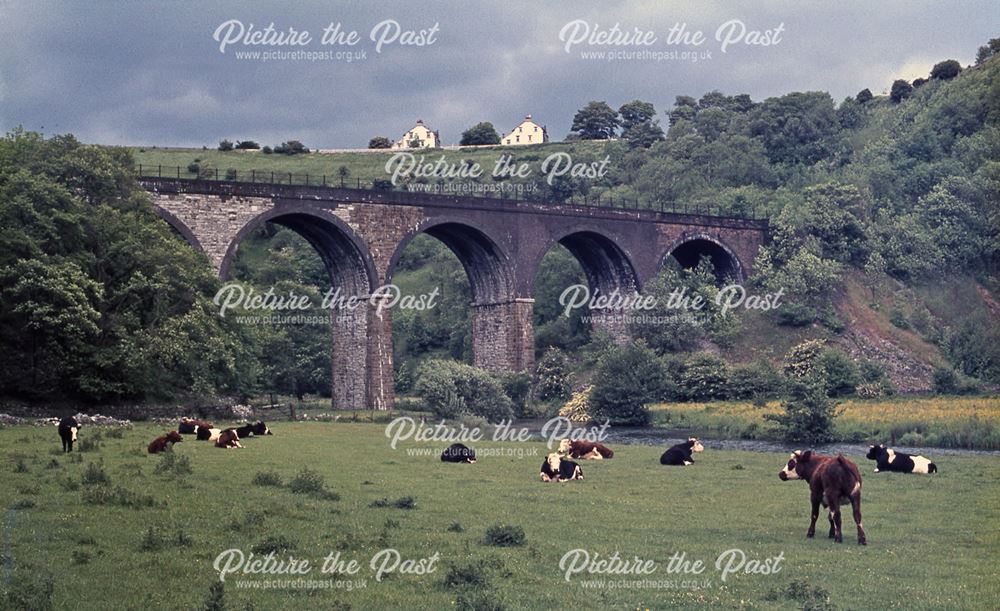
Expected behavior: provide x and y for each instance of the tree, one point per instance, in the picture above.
(864, 96)
(987, 51)
(809, 413)
(292, 147)
(627, 378)
(643, 135)
(247, 145)
(636, 112)
(946, 70)
(596, 121)
(480, 133)
(900, 91)
(551, 377)
(225, 145)
(799, 127)
(379, 142)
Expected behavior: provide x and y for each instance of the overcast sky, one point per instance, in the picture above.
(145, 73)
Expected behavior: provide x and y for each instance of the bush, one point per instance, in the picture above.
(947, 381)
(379, 142)
(577, 409)
(517, 387)
(225, 145)
(95, 475)
(292, 147)
(839, 372)
(946, 70)
(627, 378)
(267, 478)
(231, 174)
(809, 412)
(501, 535)
(705, 377)
(760, 380)
(795, 315)
(194, 167)
(247, 145)
(451, 389)
(267, 150)
(172, 464)
(310, 482)
(276, 543)
(551, 376)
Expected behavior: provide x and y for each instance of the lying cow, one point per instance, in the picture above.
(249, 430)
(680, 454)
(555, 468)
(228, 439)
(164, 442)
(833, 481)
(457, 452)
(887, 459)
(68, 428)
(190, 426)
(207, 434)
(587, 450)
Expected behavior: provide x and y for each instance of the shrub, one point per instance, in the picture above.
(504, 535)
(20, 466)
(759, 380)
(517, 387)
(172, 464)
(231, 174)
(627, 378)
(948, 69)
(194, 167)
(469, 574)
(455, 527)
(247, 145)
(551, 376)
(94, 474)
(794, 314)
(310, 482)
(267, 150)
(216, 599)
(705, 377)
(78, 556)
(151, 541)
(577, 409)
(839, 372)
(225, 145)
(276, 543)
(379, 142)
(947, 381)
(898, 319)
(267, 478)
(25, 589)
(809, 412)
(451, 388)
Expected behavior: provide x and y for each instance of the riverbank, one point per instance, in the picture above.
(940, 422)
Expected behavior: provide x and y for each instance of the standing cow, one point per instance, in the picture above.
(833, 481)
(68, 428)
(887, 459)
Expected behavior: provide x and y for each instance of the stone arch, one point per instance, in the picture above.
(688, 249)
(356, 382)
(180, 227)
(501, 324)
(486, 263)
(607, 266)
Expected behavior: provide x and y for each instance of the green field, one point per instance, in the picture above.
(360, 164)
(933, 540)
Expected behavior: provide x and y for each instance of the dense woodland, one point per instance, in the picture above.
(101, 302)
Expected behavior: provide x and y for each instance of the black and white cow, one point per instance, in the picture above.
(887, 459)
(555, 468)
(68, 428)
(459, 453)
(249, 430)
(680, 454)
(207, 434)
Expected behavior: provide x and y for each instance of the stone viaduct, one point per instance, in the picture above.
(360, 234)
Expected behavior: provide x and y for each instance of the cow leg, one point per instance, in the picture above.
(856, 506)
(815, 514)
(838, 535)
(833, 530)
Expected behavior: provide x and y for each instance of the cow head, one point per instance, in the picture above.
(696, 445)
(795, 461)
(261, 429)
(875, 452)
(564, 446)
(72, 432)
(554, 459)
(175, 437)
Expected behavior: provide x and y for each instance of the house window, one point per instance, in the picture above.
(529, 138)
(518, 138)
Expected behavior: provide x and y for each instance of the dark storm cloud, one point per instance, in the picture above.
(151, 73)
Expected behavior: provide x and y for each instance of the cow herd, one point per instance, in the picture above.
(833, 480)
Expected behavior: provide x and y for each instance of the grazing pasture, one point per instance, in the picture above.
(73, 524)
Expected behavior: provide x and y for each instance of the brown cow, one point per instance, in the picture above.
(164, 442)
(587, 450)
(834, 481)
(228, 439)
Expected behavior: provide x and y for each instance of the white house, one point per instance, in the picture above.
(420, 132)
(528, 132)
